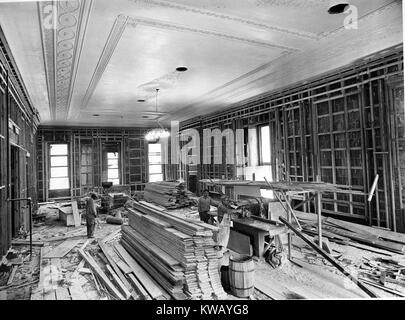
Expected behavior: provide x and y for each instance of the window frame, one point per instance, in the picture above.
(154, 163)
(117, 158)
(259, 145)
(50, 166)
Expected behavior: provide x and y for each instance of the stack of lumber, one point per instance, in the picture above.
(353, 234)
(171, 195)
(286, 186)
(117, 200)
(178, 254)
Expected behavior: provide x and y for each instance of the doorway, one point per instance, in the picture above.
(14, 189)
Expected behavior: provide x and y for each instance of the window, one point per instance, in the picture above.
(112, 168)
(86, 170)
(59, 169)
(155, 162)
(265, 157)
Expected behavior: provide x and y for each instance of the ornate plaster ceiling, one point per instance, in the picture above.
(102, 56)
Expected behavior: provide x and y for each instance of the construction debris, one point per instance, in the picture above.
(346, 232)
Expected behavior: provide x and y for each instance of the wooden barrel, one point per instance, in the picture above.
(241, 276)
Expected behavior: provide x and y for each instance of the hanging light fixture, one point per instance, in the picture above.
(157, 133)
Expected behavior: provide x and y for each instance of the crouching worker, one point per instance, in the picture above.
(91, 214)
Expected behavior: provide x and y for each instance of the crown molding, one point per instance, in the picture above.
(62, 45)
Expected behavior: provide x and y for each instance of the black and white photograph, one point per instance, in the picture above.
(201, 157)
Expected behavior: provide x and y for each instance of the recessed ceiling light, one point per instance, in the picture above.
(181, 69)
(141, 100)
(96, 115)
(336, 7)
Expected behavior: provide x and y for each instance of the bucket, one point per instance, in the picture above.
(225, 278)
(241, 276)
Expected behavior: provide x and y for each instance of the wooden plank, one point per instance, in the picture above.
(124, 267)
(27, 242)
(11, 278)
(61, 250)
(42, 264)
(117, 280)
(384, 234)
(330, 259)
(111, 235)
(139, 287)
(370, 248)
(270, 291)
(62, 294)
(76, 214)
(71, 237)
(140, 273)
(79, 266)
(76, 290)
(96, 268)
(127, 286)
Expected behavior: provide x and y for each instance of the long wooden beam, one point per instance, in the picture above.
(95, 267)
(330, 259)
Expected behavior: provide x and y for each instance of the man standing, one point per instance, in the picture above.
(91, 214)
(204, 204)
(224, 223)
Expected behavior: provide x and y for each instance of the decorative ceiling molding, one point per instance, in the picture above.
(113, 39)
(123, 21)
(172, 26)
(62, 41)
(256, 24)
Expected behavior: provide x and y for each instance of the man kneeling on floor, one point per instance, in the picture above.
(91, 214)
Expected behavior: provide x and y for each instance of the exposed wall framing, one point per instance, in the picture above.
(18, 125)
(345, 128)
(85, 158)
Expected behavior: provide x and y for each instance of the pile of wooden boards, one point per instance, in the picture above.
(353, 234)
(171, 195)
(387, 273)
(179, 254)
(117, 200)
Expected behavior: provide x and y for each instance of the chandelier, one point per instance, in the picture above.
(157, 133)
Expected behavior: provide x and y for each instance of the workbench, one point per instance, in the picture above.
(283, 191)
(258, 230)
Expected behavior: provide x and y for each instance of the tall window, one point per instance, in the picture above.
(155, 162)
(86, 167)
(113, 170)
(265, 146)
(59, 169)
